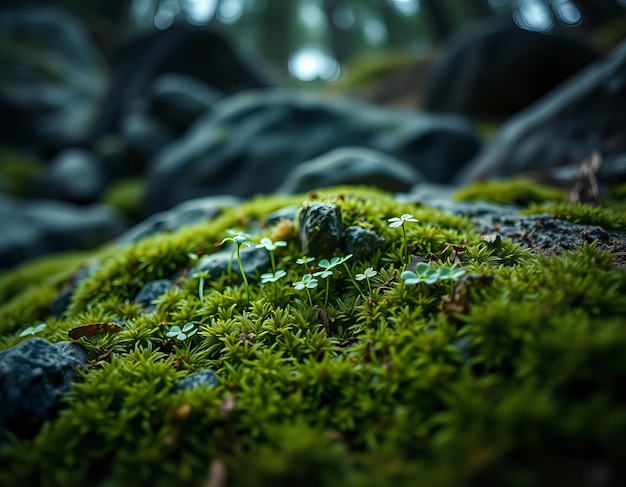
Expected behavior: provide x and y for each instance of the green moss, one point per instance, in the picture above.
(504, 378)
(126, 196)
(518, 191)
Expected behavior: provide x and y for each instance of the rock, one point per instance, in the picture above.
(202, 378)
(151, 291)
(199, 53)
(253, 261)
(248, 143)
(186, 213)
(52, 78)
(33, 376)
(73, 175)
(582, 115)
(285, 213)
(361, 242)
(35, 228)
(351, 166)
(145, 135)
(495, 69)
(178, 100)
(320, 230)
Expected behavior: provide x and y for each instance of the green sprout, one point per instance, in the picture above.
(33, 330)
(189, 329)
(201, 275)
(273, 277)
(307, 282)
(366, 275)
(396, 222)
(239, 240)
(269, 245)
(327, 271)
(424, 273)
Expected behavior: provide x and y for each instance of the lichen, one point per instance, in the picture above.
(509, 376)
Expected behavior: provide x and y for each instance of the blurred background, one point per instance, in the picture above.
(97, 98)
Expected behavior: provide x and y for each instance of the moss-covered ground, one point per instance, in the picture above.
(514, 375)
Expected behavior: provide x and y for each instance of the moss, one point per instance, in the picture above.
(504, 378)
(126, 196)
(519, 191)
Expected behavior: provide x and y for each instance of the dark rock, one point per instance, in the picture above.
(35, 228)
(320, 230)
(253, 261)
(202, 378)
(583, 114)
(33, 376)
(361, 242)
(186, 213)
(199, 53)
(73, 175)
(351, 166)
(63, 299)
(248, 143)
(496, 69)
(151, 291)
(145, 135)
(178, 100)
(51, 79)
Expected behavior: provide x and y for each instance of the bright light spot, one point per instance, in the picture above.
(230, 11)
(166, 14)
(567, 12)
(533, 15)
(311, 63)
(405, 7)
(375, 31)
(343, 17)
(199, 12)
(312, 15)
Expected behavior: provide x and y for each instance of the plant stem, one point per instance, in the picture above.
(243, 275)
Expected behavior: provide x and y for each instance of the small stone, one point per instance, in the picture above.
(253, 261)
(151, 291)
(205, 377)
(361, 242)
(320, 230)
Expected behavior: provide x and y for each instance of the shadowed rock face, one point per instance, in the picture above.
(562, 129)
(249, 143)
(496, 69)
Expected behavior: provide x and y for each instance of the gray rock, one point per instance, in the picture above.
(33, 376)
(581, 115)
(151, 291)
(51, 79)
(186, 213)
(202, 378)
(320, 230)
(286, 213)
(361, 242)
(73, 175)
(35, 228)
(249, 142)
(351, 166)
(253, 261)
(144, 134)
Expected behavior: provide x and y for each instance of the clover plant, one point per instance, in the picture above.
(307, 282)
(425, 273)
(188, 329)
(33, 330)
(201, 275)
(396, 222)
(365, 275)
(239, 240)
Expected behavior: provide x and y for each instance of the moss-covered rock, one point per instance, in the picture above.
(509, 375)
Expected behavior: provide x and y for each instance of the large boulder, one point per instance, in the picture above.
(199, 53)
(249, 142)
(34, 228)
(495, 69)
(584, 114)
(51, 80)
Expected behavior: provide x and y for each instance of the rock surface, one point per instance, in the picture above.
(248, 143)
(563, 128)
(33, 376)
